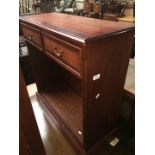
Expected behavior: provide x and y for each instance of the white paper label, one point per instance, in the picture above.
(95, 77)
(79, 132)
(114, 142)
(97, 96)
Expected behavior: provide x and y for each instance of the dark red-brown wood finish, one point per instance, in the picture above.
(80, 29)
(30, 142)
(112, 59)
(79, 66)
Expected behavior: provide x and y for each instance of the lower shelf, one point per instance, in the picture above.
(62, 103)
(67, 107)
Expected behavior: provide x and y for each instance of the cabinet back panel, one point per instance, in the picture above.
(47, 72)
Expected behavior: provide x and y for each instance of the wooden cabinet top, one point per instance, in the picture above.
(78, 28)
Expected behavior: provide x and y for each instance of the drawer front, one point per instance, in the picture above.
(32, 34)
(67, 54)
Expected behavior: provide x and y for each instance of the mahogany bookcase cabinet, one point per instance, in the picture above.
(79, 66)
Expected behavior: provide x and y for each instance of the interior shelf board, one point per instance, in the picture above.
(68, 105)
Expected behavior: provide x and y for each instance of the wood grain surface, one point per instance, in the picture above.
(82, 29)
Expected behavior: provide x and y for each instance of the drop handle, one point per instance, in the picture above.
(58, 53)
(30, 37)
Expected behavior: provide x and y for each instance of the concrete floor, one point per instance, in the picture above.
(55, 143)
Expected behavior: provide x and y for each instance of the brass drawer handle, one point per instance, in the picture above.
(58, 53)
(30, 37)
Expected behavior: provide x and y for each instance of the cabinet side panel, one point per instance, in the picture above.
(106, 71)
(30, 139)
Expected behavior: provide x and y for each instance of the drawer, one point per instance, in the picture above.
(63, 52)
(32, 34)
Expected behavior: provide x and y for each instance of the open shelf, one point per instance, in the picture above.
(77, 84)
(66, 104)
